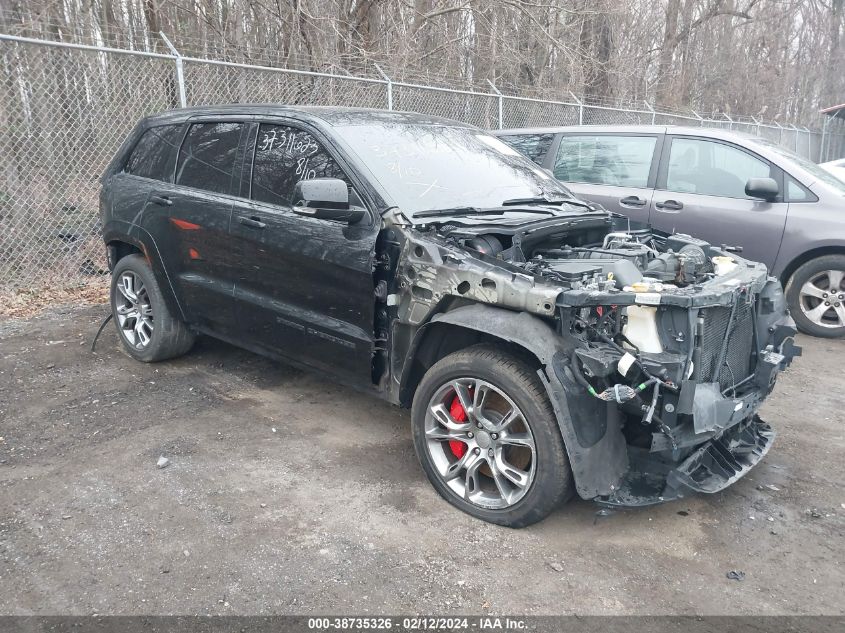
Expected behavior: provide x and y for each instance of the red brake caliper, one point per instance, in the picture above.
(458, 414)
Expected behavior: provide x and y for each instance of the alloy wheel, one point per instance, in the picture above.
(480, 443)
(133, 310)
(822, 299)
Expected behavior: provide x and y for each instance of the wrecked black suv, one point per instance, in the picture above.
(544, 347)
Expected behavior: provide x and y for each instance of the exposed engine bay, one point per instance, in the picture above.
(665, 346)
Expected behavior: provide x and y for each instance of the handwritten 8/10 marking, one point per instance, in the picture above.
(302, 169)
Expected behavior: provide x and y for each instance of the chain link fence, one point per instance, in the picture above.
(65, 109)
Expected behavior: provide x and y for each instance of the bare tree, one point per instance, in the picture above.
(762, 57)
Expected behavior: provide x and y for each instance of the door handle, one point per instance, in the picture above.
(163, 201)
(254, 222)
(632, 201)
(670, 205)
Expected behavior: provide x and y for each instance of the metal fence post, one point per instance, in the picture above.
(730, 120)
(795, 129)
(780, 132)
(501, 104)
(580, 108)
(757, 124)
(653, 113)
(180, 74)
(822, 154)
(809, 142)
(389, 86)
(699, 117)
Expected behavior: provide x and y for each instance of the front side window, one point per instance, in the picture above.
(623, 161)
(283, 156)
(207, 157)
(154, 154)
(712, 169)
(807, 165)
(534, 146)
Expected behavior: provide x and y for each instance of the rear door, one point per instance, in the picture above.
(616, 170)
(189, 219)
(304, 285)
(701, 191)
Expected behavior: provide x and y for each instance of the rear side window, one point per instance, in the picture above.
(535, 146)
(155, 153)
(283, 156)
(624, 161)
(207, 157)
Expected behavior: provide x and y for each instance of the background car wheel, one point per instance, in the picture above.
(487, 437)
(144, 324)
(816, 296)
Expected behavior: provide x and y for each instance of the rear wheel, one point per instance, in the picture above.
(816, 296)
(487, 438)
(147, 329)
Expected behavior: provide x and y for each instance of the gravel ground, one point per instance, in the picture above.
(286, 493)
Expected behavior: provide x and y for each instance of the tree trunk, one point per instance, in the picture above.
(667, 52)
(831, 95)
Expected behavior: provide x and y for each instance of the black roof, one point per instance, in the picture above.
(331, 115)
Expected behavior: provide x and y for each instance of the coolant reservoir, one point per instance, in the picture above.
(641, 329)
(722, 265)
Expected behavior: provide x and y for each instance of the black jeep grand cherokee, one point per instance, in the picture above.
(543, 349)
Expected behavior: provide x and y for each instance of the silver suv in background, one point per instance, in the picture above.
(720, 186)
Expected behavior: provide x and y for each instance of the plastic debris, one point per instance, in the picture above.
(163, 462)
(735, 574)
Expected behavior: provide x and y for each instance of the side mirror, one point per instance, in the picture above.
(764, 188)
(326, 199)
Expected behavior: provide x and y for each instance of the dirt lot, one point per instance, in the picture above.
(289, 494)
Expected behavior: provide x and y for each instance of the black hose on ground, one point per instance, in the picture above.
(100, 331)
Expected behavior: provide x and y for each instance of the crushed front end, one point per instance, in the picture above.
(677, 359)
(656, 351)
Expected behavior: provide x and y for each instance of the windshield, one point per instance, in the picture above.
(426, 167)
(805, 164)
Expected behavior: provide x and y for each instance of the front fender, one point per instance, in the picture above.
(593, 437)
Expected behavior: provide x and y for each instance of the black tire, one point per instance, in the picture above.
(806, 273)
(552, 484)
(169, 337)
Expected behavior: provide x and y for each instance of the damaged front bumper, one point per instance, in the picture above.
(710, 468)
(701, 431)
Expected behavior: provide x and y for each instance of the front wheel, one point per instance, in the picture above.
(816, 296)
(487, 437)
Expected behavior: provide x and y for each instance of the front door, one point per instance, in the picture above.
(701, 191)
(615, 170)
(304, 287)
